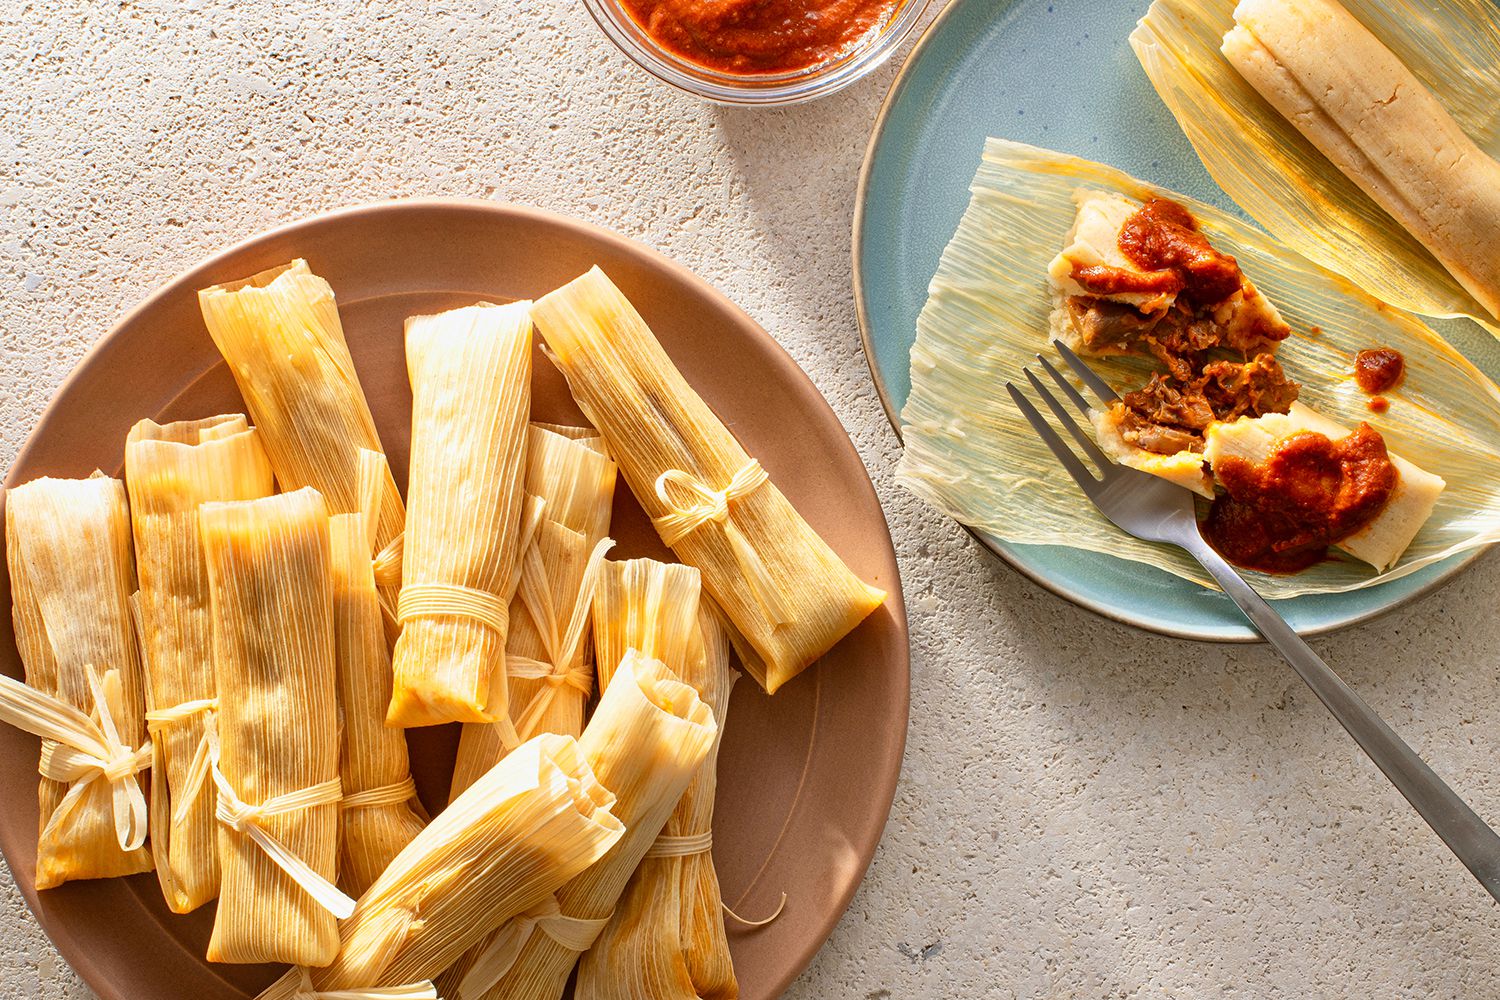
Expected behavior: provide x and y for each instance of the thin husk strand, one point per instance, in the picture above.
(789, 595)
(470, 374)
(72, 573)
(1279, 177)
(647, 738)
(169, 470)
(527, 826)
(974, 457)
(666, 939)
(271, 599)
(549, 617)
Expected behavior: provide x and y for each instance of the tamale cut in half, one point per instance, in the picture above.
(71, 576)
(788, 595)
(169, 470)
(470, 372)
(275, 762)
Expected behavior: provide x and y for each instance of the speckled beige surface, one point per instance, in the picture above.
(1086, 811)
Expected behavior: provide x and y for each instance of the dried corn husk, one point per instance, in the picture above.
(1277, 175)
(276, 758)
(645, 741)
(522, 830)
(547, 662)
(973, 456)
(787, 593)
(169, 470)
(470, 374)
(71, 577)
(666, 938)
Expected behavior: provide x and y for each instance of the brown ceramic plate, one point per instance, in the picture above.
(806, 778)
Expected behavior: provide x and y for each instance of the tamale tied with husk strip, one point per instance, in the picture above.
(72, 576)
(169, 470)
(787, 593)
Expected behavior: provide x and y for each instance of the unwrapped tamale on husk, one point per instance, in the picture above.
(548, 665)
(169, 470)
(470, 372)
(787, 593)
(502, 848)
(275, 762)
(645, 741)
(72, 576)
(665, 940)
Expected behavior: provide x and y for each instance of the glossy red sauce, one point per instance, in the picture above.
(1163, 236)
(1378, 370)
(1280, 515)
(748, 37)
(1379, 404)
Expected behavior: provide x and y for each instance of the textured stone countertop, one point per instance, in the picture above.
(1086, 811)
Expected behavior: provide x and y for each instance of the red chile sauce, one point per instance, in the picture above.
(1280, 515)
(1379, 370)
(1162, 238)
(750, 37)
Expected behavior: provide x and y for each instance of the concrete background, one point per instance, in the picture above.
(1086, 811)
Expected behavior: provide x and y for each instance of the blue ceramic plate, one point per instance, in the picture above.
(1060, 74)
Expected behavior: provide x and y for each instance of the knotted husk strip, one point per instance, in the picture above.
(71, 576)
(273, 639)
(279, 332)
(645, 741)
(576, 482)
(531, 823)
(789, 595)
(169, 470)
(470, 375)
(666, 939)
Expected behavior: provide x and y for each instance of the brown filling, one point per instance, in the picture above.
(1167, 416)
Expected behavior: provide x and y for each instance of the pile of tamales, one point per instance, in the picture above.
(222, 651)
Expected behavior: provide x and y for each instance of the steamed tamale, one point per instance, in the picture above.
(71, 576)
(169, 470)
(788, 594)
(470, 374)
(502, 848)
(275, 762)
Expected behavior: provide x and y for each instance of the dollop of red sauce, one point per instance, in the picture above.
(1162, 235)
(753, 37)
(1379, 369)
(1280, 515)
(1379, 404)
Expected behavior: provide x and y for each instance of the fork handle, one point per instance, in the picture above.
(1468, 836)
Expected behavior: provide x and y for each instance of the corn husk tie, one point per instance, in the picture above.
(78, 750)
(501, 952)
(385, 795)
(415, 991)
(159, 720)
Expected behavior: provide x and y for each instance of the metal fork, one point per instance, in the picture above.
(1151, 508)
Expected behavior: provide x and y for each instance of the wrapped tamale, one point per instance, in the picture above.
(470, 375)
(665, 940)
(548, 666)
(501, 849)
(169, 470)
(275, 762)
(71, 576)
(646, 740)
(787, 593)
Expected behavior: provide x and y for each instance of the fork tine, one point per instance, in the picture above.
(1049, 437)
(1066, 419)
(1087, 375)
(1067, 387)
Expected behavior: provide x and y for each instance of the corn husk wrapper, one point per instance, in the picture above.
(971, 454)
(549, 617)
(277, 726)
(169, 470)
(645, 741)
(1277, 174)
(519, 833)
(666, 938)
(788, 594)
(470, 374)
(72, 575)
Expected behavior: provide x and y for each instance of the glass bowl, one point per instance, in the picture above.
(759, 89)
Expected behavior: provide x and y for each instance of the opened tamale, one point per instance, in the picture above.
(470, 375)
(72, 575)
(787, 593)
(275, 762)
(169, 470)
